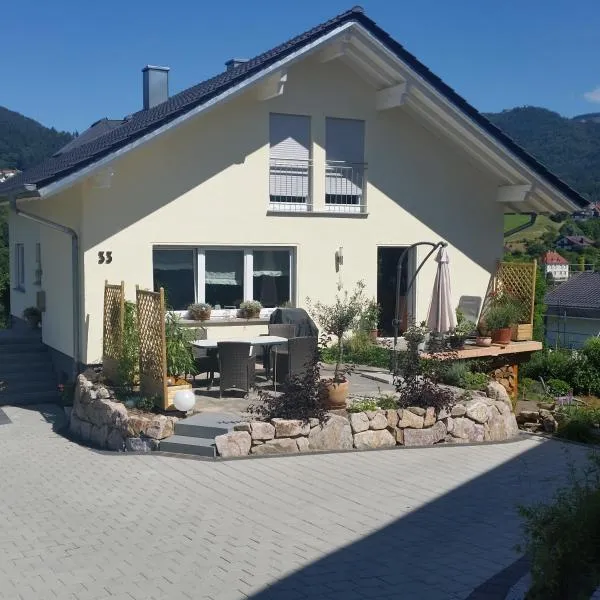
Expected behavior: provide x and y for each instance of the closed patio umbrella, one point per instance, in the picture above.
(441, 316)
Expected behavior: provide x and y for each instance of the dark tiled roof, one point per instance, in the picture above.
(95, 130)
(580, 296)
(145, 121)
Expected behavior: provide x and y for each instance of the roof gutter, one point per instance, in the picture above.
(32, 193)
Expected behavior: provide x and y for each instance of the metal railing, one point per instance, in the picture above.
(345, 184)
(290, 185)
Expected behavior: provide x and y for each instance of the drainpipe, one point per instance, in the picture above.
(74, 265)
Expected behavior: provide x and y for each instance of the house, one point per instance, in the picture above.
(590, 212)
(317, 162)
(7, 174)
(573, 313)
(574, 242)
(556, 265)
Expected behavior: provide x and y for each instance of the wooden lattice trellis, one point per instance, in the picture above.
(153, 352)
(112, 334)
(518, 280)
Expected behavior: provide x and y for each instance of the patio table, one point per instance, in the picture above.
(262, 340)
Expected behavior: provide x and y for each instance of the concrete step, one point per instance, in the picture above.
(23, 399)
(183, 444)
(25, 359)
(18, 374)
(21, 347)
(27, 385)
(206, 425)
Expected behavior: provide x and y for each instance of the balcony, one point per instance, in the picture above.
(290, 185)
(345, 187)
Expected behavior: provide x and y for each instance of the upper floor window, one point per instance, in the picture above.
(19, 266)
(345, 165)
(290, 164)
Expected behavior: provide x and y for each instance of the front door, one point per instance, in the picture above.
(387, 265)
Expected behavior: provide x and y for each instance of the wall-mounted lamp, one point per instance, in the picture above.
(339, 258)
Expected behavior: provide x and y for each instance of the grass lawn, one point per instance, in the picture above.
(541, 225)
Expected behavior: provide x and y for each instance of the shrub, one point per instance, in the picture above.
(180, 358)
(250, 308)
(144, 403)
(585, 377)
(558, 387)
(199, 311)
(387, 402)
(129, 356)
(562, 538)
(475, 381)
(454, 373)
(591, 351)
(363, 405)
(551, 364)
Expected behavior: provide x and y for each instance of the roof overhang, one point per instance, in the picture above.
(396, 86)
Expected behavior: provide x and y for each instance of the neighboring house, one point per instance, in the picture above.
(573, 313)
(6, 174)
(574, 242)
(254, 184)
(591, 212)
(556, 265)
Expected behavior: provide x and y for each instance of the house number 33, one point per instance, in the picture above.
(104, 258)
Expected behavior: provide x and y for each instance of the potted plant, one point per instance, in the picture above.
(483, 338)
(369, 319)
(33, 316)
(250, 309)
(503, 313)
(336, 320)
(464, 328)
(180, 359)
(199, 311)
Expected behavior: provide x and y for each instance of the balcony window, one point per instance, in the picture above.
(224, 278)
(174, 271)
(289, 162)
(345, 166)
(271, 277)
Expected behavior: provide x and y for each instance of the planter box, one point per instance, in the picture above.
(522, 332)
(172, 390)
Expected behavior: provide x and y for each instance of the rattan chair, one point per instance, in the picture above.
(237, 366)
(294, 360)
(285, 330)
(205, 360)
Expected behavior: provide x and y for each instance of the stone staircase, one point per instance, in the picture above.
(196, 435)
(26, 372)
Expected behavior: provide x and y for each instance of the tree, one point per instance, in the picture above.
(581, 262)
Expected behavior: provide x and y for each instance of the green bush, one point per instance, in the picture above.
(143, 403)
(129, 358)
(363, 405)
(459, 374)
(591, 351)
(562, 539)
(558, 387)
(360, 350)
(475, 381)
(551, 364)
(387, 402)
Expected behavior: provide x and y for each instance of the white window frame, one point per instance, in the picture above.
(19, 266)
(248, 275)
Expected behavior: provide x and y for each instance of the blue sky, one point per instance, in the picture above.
(67, 63)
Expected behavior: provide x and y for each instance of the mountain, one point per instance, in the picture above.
(25, 142)
(568, 147)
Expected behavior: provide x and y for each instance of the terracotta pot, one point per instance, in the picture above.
(336, 393)
(483, 340)
(502, 336)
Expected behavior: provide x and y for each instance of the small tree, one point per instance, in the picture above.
(337, 319)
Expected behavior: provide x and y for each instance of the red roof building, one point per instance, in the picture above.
(554, 258)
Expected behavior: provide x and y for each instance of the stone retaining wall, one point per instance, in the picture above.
(482, 417)
(97, 419)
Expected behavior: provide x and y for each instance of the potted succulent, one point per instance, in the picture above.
(199, 311)
(250, 309)
(464, 328)
(500, 317)
(369, 319)
(336, 320)
(33, 316)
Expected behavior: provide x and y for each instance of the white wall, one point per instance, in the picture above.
(570, 332)
(207, 183)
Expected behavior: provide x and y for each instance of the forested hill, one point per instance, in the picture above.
(25, 142)
(568, 147)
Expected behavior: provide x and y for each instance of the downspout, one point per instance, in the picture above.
(74, 266)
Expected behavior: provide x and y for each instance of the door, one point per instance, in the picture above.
(387, 266)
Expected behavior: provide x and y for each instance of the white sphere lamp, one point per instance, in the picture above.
(184, 400)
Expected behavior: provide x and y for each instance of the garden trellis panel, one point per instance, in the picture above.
(518, 280)
(112, 331)
(153, 352)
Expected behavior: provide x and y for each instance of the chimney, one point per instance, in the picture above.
(156, 85)
(235, 62)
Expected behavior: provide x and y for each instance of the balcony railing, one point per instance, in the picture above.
(345, 184)
(289, 185)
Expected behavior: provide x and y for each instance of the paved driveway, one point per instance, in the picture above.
(403, 524)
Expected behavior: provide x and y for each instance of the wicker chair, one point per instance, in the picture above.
(205, 360)
(285, 330)
(295, 359)
(237, 366)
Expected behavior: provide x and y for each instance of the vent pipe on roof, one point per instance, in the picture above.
(235, 62)
(156, 85)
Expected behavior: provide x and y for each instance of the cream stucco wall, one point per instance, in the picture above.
(207, 183)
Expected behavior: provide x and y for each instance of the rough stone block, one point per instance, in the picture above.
(419, 437)
(75, 425)
(380, 438)
(429, 419)
(276, 446)
(497, 391)
(262, 431)
(334, 434)
(115, 441)
(99, 435)
(302, 443)
(410, 419)
(232, 444)
(400, 436)
(137, 425)
(137, 444)
(359, 422)
(290, 427)
(160, 427)
(85, 431)
(242, 427)
(439, 431)
(458, 410)
(477, 410)
(392, 418)
(379, 421)
(417, 410)
(463, 428)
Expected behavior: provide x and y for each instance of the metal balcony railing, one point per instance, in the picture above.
(345, 184)
(289, 185)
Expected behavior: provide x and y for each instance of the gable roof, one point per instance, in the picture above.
(577, 240)
(554, 258)
(146, 121)
(95, 130)
(578, 297)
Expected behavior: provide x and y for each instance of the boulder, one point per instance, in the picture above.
(458, 410)
(262, 431)
(439, 431)
(392, 418)
(549, 423)
(497, 391)
(137, 425)
(449, 424)
(313, 422)
(443, 414)
(98, 435)
(379, 421)
(477, 410)
(463, 428)
(160, 427)
(85, 431)
(359, 422)
(242, 427)
(410, 419)
(137, 444)
(400, 436)
(290, 427)
(115, 441)
(529, 416)
(379, 438)
(236, 443)
(302, 443)
(417, 410)
(75, 425)
(429, 419)
(102, 392)
(334, 434)
(425, 437)
(276, 446)
(502, 427)
(478, 433)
